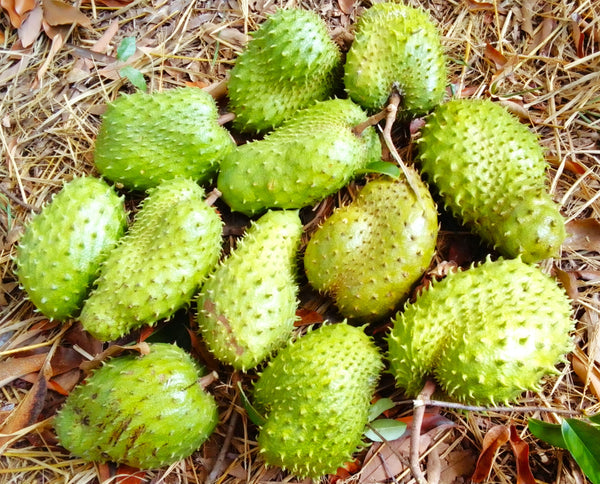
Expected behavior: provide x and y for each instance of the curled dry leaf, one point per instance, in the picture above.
(346, 6)
(584, 234)
(495, 438)
(17, 10)
(521, 451)
(60, 13)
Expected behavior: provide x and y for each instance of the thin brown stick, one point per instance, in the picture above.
(370, 121)
(220, 462)
(474, 408)
(415, 435)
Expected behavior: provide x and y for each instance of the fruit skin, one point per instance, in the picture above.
(487, 334)
(489, 170)
(62, 248)
(144, 411)
(247, 307)
(370, 253)
(396, 46)
(290, 63)
(145, 139)
(310, 156)
(316, 395)
(158, 266)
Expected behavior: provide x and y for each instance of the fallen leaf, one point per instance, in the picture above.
(14, 368)
(583, 234)
(110, 3)
(129, 475)
(493, 440)
(346, 6)
(521, 451)
(458, 464)
(568, 280)
(60, 13)
(112, 351)
(17, 10)
(494, 55)
(307, 317)
(31, 27)
(527, 13)
(483, 7)
(587, 370)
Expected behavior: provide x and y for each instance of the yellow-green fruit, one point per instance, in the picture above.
(62, 248)
(146, 139)
(310, 156)
(396, 48)
(316, 395)
(290, 63)
(159, 265)
(487, 334)
(146, 411)
(489, 170)
(247, 307)
(369, 254)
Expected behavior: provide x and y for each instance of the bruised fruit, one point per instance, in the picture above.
(489, 170)
(370, 253)
(316, 394)
(290, 63)
(247, 307)
(396, 48)
(62, 248)
(146, 139)
(310, 156)
(487, 334)
(173, 243)
(145, 411)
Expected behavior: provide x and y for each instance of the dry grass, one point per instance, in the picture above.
(541, 59)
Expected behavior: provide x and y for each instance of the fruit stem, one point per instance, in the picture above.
(225, 118)
(415, 433)
(370, 121)
(212, 197)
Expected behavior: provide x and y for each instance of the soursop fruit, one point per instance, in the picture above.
(62, 248)
(145, 411)
(145, 139)
(158, 266)
(489, 170)
(290, 63)
(310, 156)
(316, 394)
(247, 307)
(370, 253)
(396, 48)
(486, 334)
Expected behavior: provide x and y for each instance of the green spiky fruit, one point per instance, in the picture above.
(173, 243)
(247, 307)
(316, 395)
(144, 411)
(145, 139)
(396, 48)
(489, 170)
(310, 156)
(370, 253)
(62, 248)
(487, 334)
(290, 63)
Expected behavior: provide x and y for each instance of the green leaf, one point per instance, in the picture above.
(381, 167)
(385, 429)
(550, 433)
(126, 48)
(135, 77)
(379, 407)
(254, 415)
(583, 441)
(595, 419)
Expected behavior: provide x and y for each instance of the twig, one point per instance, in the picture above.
(370, 121)
(220, 462)
(23, 204)
(473, 408)
(415, 435)
(212, 197)
(225, 118)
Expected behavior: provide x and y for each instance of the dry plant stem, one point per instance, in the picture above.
(220, 462)
(415, 432)
(473, 408)
(11, 197)
(212, 197)
(370, 121)
(225, 118)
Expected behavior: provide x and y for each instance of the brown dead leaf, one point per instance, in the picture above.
(521, 451)
(527, 13)
(111, 351)
(474, 6)
(494, 55)
(26, 412)
(31, 27)
(587, 370)
(110, 3)
(17, 10)
(584, 234)
(307, 317)
(60, 13)
(457, 464)
(346, 6)
(569, 282)
(493, 440)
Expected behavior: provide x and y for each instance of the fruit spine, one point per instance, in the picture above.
(487, 334)
(370, 253)
(145, 139)
(62, 248)
(289, 63)
(489, 170)
(316, 395)
(173, 243)
(247, 307)
(145, 411)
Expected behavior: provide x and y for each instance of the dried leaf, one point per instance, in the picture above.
(346, 6)
(27, 411)
(568, 280)
(31, 27)
(521, 451)
(527, 13)
(14, 368)
(493, 440)
(307, 317)
(584, 234)
(112, 351)
(60, 13)
(17, 10)
(587, 370)
(110, 3)
(494, 55)
(474, 6)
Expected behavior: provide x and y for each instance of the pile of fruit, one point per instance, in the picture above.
(486, 334)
